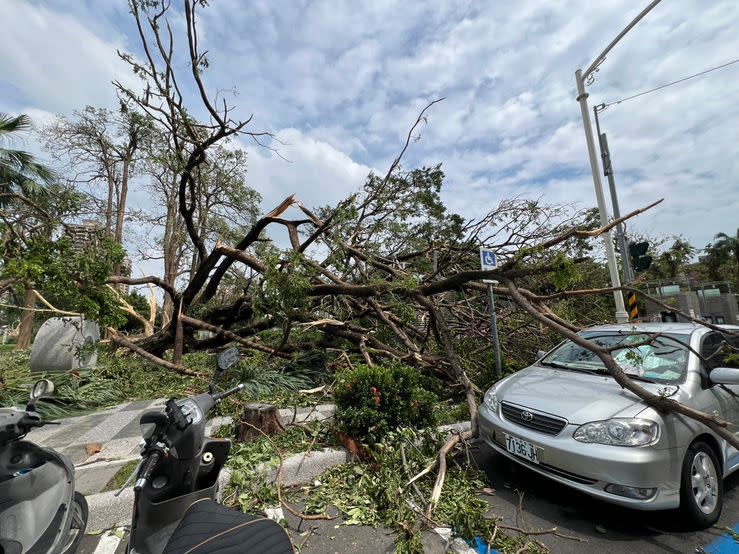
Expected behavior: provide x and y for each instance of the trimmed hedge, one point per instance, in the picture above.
(372, 401)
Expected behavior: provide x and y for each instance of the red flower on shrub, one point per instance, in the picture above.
(376, 395)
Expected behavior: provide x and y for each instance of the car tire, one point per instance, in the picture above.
(701, 487)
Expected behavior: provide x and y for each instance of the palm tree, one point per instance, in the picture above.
(19, 170)
(729, 244)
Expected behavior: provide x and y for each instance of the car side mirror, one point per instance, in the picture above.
(725, 376)
(540, 354)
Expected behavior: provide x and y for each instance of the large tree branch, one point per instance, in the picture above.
(121, 341)
(220, 331)
(151, 279)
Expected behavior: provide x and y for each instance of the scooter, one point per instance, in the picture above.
(177, 483)
(40, 512)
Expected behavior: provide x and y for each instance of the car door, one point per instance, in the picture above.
(721, 400)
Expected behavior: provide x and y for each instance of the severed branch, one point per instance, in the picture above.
(121, 341)
(130, 310)
(220, 331)
(152, 279)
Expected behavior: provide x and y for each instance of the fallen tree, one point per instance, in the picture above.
(386, 274)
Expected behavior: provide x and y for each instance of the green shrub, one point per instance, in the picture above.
(372, 401)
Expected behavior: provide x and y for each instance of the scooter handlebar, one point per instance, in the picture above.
(217, 397)
(147, 469)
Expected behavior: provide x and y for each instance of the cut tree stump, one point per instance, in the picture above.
(264, 417)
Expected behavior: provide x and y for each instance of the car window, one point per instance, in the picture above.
(663, 359)
(720, 350)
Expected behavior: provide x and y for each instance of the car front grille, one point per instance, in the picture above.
(532, 420)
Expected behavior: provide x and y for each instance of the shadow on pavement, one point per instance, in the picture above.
(547, 503)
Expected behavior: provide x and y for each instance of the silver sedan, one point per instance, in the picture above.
(567, 419)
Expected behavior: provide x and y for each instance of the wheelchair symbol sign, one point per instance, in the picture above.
(488, 259)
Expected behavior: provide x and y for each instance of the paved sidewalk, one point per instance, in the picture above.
(101, 443)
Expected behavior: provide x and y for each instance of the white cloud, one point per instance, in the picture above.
(344, 80)
(54, 61)
(317, 172)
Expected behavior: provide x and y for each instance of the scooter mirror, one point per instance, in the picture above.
(227, 358)
(42, 388)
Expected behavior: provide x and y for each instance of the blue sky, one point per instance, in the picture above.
(340, 83)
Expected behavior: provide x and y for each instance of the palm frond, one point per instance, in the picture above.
(12, 125)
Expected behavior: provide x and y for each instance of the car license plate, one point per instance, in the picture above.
(522, 448)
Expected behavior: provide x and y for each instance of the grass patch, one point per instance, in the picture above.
(116, 482)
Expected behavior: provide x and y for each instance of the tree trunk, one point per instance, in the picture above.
(25, 331)
(171, 246)
(121, 207)
(264, 417)
(109, 206)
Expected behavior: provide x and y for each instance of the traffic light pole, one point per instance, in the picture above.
(605, 156)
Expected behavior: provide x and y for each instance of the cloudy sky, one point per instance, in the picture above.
(341, 82)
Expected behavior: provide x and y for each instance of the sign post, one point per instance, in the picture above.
(488, 261)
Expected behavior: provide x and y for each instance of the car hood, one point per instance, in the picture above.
(576, 396)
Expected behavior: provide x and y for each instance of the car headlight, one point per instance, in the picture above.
(619, 432)
(491, 399)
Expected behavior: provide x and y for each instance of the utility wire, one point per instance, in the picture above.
(670, 84)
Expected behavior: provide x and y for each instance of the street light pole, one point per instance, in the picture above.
(582, 98)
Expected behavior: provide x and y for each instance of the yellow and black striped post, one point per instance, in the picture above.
(633, 309)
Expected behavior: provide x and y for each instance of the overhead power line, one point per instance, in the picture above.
(672, 83)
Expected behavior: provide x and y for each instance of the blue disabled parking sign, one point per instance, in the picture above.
(488, 259)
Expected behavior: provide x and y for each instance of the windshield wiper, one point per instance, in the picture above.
(560, 365)
(640, 378)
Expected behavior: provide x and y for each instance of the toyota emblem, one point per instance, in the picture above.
(527, 416)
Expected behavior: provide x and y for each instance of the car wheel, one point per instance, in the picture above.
(701, 486)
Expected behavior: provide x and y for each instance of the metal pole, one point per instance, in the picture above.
(605, 156)
(494, 326)
(703, 297)
(582, 98)
(628, 28)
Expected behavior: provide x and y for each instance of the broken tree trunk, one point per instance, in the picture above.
(264, 417)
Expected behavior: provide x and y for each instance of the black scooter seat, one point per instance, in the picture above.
(208, 527)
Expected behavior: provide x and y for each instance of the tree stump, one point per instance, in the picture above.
(264, 417)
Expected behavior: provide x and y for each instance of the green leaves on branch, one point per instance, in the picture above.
(285, 285)
(72, 279)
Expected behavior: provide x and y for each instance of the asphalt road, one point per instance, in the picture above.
(606, 528)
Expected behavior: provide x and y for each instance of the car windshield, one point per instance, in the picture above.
(663, 359)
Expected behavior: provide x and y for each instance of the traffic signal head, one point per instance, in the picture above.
(637, 252)
(638, 248)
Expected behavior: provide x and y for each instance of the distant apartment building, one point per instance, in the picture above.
(88, 232)
(83, 234)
